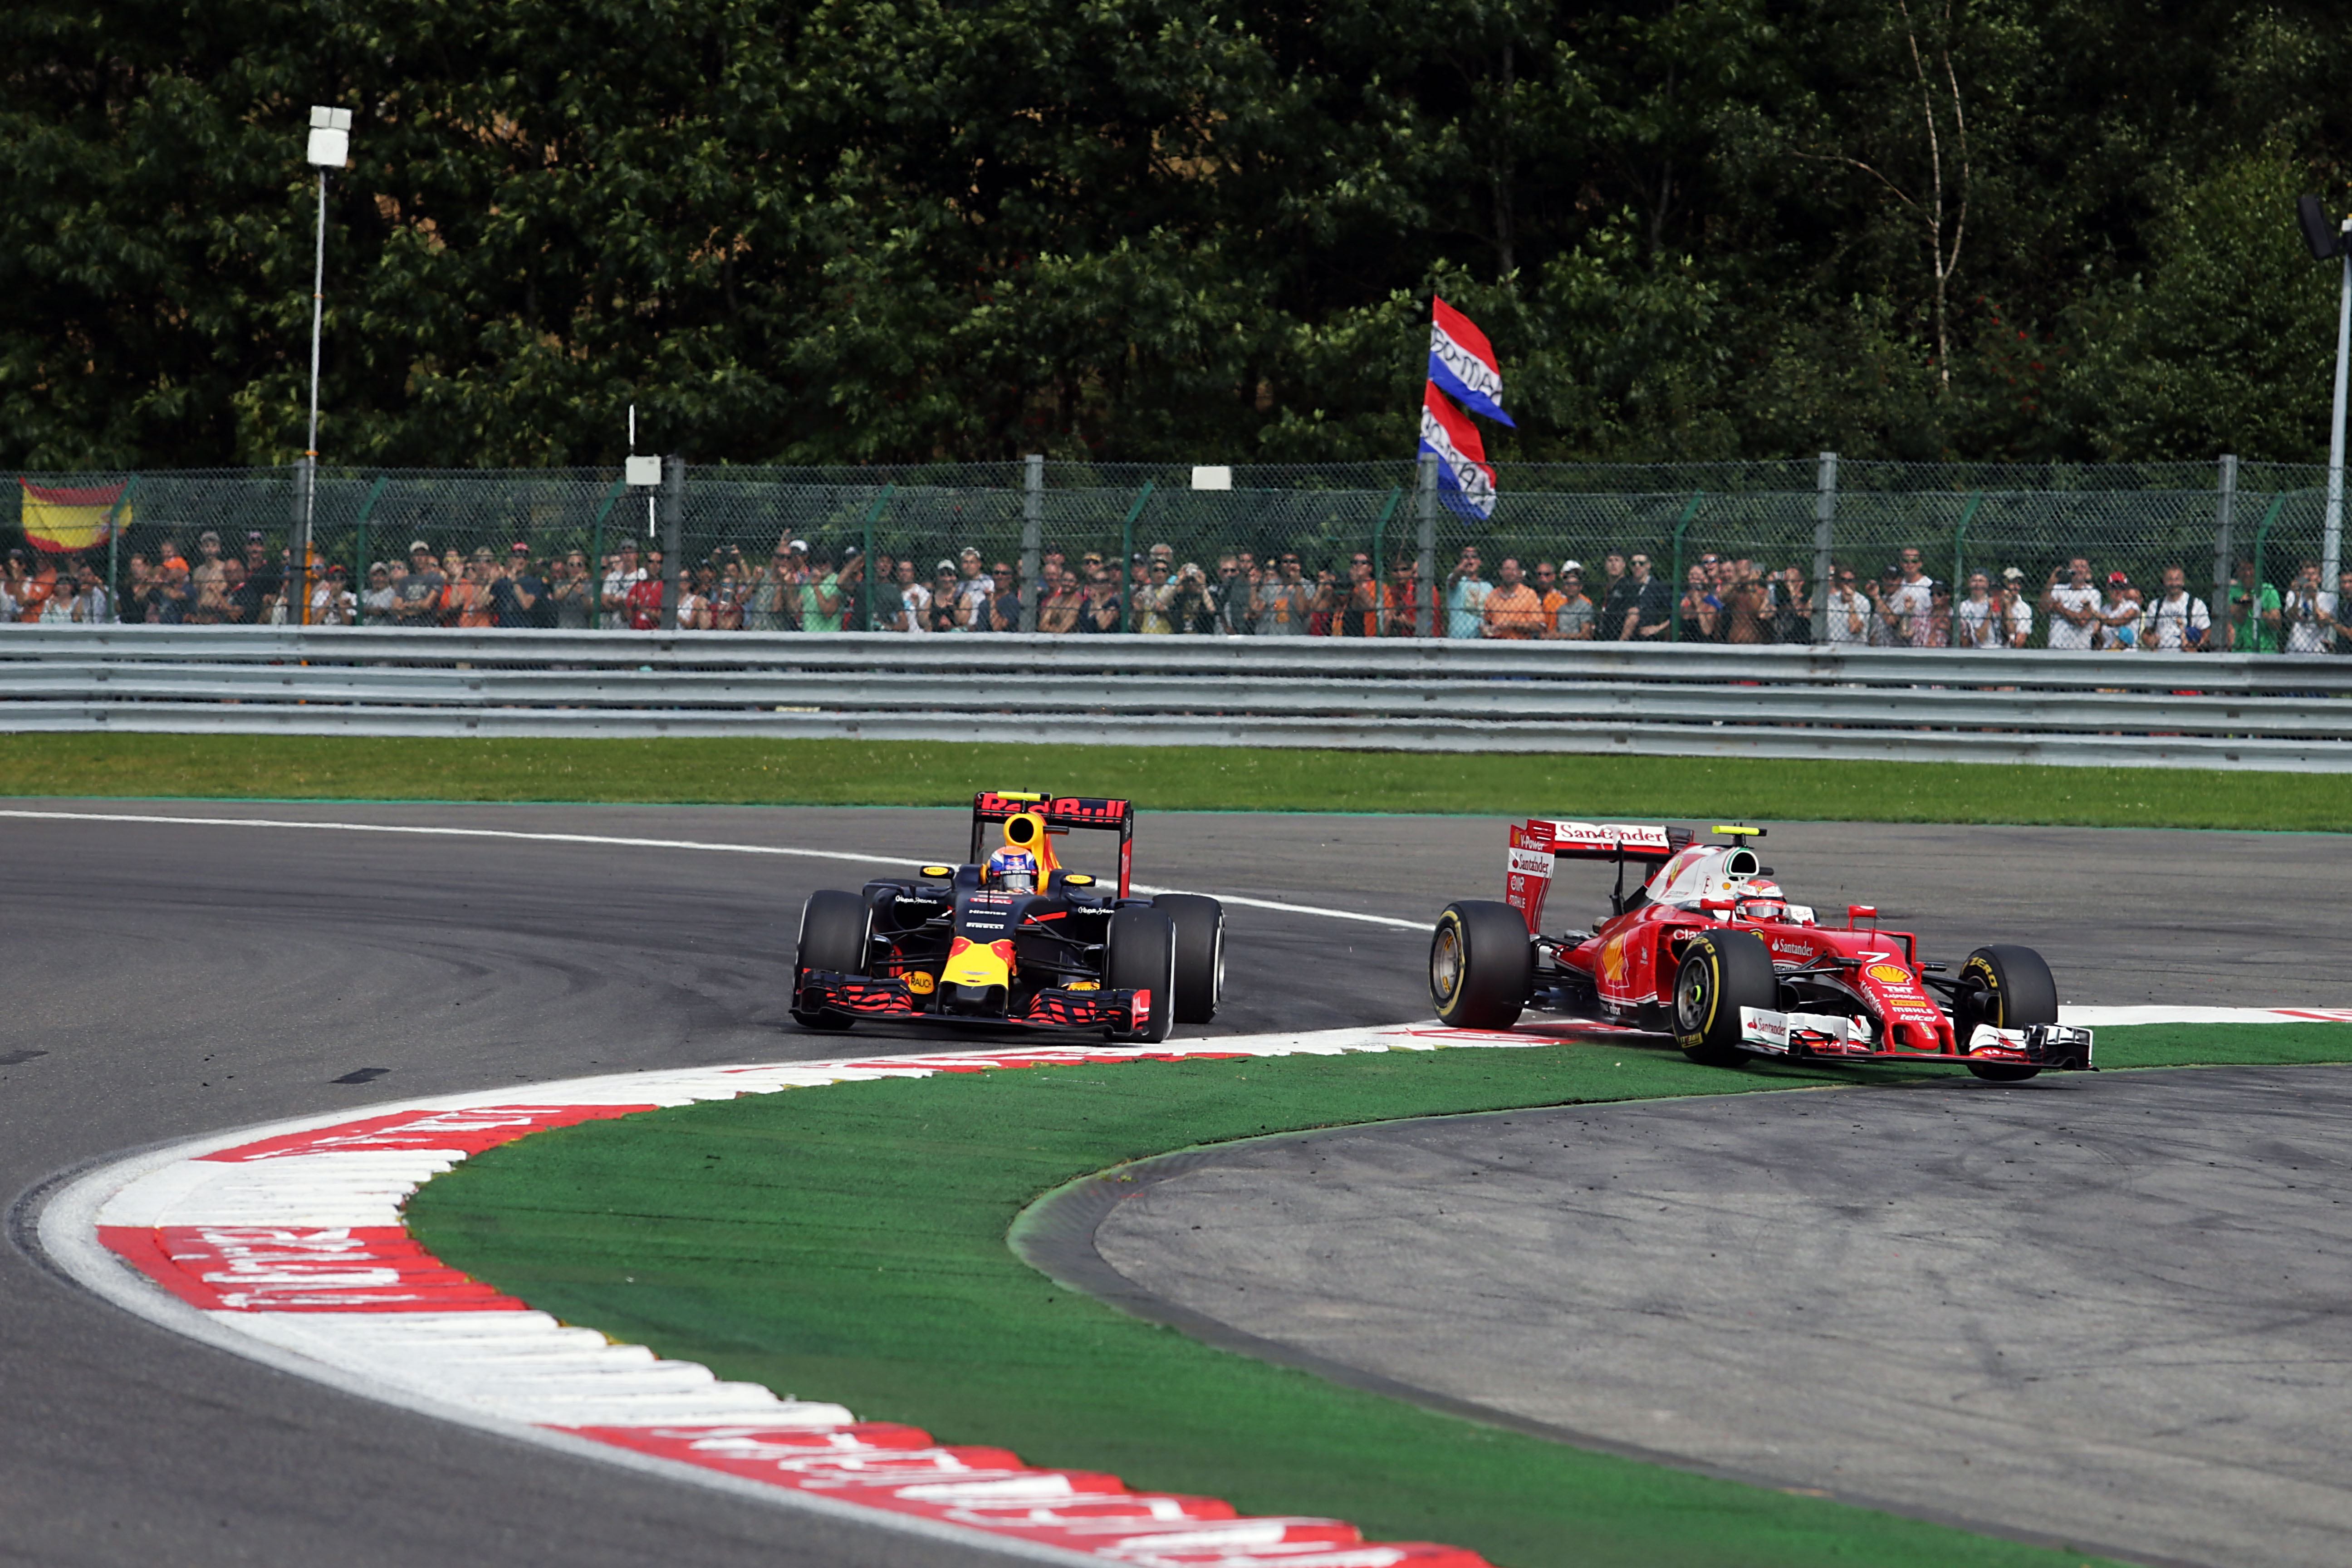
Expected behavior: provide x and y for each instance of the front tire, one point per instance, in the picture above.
(1200, 924)
(2010, 989)
(1140, 955)
(1482, 966)
(837, 930)
(1721, 972)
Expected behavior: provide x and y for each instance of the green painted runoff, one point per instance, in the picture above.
(848, 1244)
(748, 772)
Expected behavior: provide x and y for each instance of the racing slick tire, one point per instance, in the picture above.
(836, 929)
(1140, 954)
(1200, 953)
(1721, 972)
(2012, 989)
(1482, 966)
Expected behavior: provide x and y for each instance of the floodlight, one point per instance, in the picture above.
(330, 136)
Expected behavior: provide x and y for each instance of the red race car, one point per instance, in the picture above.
(1707, 949)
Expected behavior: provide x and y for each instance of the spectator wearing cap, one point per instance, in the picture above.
(2119, 614)
(972, 590)
(941, 615)
(825, 595)
(173, 595)
(516, 592)
(331, 599)
(644, 599)
(265, 576)
(1572, 619)
(376, 603)
(419, 597)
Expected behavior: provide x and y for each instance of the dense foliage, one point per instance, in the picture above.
(842, 230)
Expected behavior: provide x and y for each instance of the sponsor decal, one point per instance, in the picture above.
(1615, 967)
(1764, 1029)
(1139, 1011)
(1889, 973)
(1530, 863)
(921, 982)
(1607, 835)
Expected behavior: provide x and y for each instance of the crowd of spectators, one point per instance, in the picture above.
(801, 587)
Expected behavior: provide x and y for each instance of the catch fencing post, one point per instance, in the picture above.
(2217, 614)
(1126, 565)
(113, 551)
(673, 521)
(1425, 612)
(864, 620)
(1674, 583)
(1380, 567)
(359, 552)
(1032, 535)
(1825, 539)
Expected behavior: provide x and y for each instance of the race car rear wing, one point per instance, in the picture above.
(1542, 841)
(1061, 813)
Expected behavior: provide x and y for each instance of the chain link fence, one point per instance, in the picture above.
(1880, 554)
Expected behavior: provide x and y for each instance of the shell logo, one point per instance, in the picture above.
(1890, 974)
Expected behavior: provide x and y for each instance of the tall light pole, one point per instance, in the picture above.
(330, 147)
(2330, 241)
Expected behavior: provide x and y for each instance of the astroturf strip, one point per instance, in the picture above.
(754, 772)
(847, 1243)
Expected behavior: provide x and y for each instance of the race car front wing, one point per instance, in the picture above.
(1121, 1012)
(1843, 1037)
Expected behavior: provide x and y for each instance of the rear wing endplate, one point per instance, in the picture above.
(1061, 813)
(1540, 842)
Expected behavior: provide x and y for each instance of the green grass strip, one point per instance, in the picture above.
(1166, 778)
(847, 1243)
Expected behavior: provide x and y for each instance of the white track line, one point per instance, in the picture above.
(612, 841)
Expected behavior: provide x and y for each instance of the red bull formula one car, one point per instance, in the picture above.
(1710, 950)
(1014, 939)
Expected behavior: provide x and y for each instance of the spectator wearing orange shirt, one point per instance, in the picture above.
(1514, 610)
(1401, 601)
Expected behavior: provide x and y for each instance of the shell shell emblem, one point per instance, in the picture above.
(1889, 973)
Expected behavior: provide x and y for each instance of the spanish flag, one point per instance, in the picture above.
(63, 521)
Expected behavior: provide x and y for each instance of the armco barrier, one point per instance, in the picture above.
(2137, 709)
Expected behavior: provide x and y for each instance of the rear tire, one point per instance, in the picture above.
(1140, 955)
(1200, 953)
(1482, 966)
(837, 929)
(1721, 972)
(2012, 989)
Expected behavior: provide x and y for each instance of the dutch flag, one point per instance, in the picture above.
(1463, 363)
(1464, 482)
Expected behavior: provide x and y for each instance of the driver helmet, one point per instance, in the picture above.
(1762, 900)
(1016, 870)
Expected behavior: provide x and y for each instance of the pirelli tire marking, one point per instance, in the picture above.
(286, 1244)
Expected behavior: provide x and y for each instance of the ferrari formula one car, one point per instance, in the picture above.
(1014, 939)
(1708, 949)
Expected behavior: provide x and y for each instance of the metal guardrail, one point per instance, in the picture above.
(2138, 709)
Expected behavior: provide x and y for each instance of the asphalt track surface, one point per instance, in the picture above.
(164, 981)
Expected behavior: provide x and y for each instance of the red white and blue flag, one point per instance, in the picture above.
(1464, 482)
(1462, 362)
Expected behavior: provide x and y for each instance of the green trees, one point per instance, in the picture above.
(892, 229)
